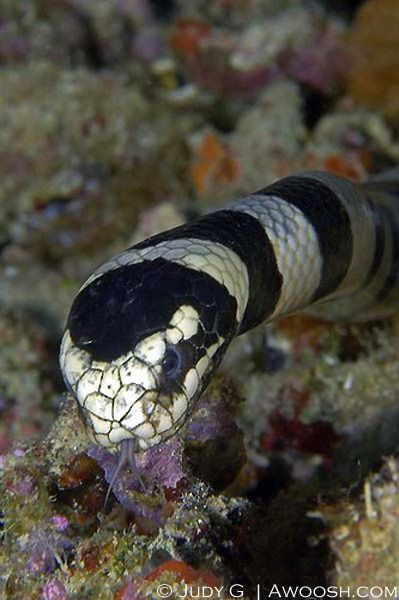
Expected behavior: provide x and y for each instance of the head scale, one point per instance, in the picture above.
(141, 342)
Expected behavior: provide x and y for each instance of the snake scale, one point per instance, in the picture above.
(149, 327)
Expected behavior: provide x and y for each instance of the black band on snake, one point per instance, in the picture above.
(150, 326)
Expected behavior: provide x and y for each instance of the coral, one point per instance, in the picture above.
(213, 164)
(54, 590)
(352, 142)
(93, 33)
(60, 522)
(43, 550)
(27, 380)
(374, 76)
(232, 63)
(322, 64)
(79, 485)
(128, 592)
(71, 186)
(316, 438)
(76, 123)
(160, 466)
(212, 437)
(189, 36)
(234, 12)
(23, 487)
(269, 136)
(206, 56)
(120, 119)
(364, 536)
(152, 221)
(183, 572)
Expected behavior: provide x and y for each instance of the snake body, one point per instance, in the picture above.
(149, 327)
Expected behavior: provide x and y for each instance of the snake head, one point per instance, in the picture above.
(140, 345)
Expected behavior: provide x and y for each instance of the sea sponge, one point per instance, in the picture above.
(374, 40)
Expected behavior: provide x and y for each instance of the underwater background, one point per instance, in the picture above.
(121, 118)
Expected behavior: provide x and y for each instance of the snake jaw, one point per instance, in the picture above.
(125, 399)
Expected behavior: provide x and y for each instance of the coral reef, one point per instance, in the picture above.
(364, 535)
(120, 119)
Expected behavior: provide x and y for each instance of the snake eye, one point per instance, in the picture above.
(171, 362)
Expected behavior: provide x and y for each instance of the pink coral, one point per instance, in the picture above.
(26, 486)
(43, 549)
(322, 64)
(54, 590)
(60, 522)
(160, 466)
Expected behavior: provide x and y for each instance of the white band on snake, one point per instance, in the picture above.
(150, 326)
